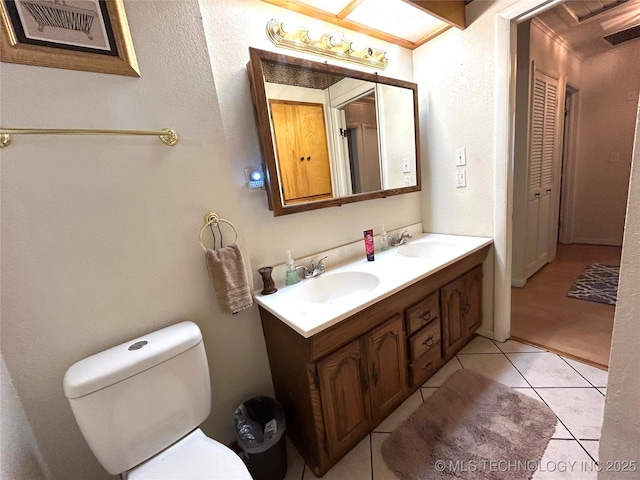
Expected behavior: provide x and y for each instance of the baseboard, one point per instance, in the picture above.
(598, 241)
(485, 332)
(518, 282)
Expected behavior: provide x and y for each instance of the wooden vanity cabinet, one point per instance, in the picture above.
(361, 383)
(338, 384)
(461, 310)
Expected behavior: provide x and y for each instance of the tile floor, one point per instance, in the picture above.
(573, 390)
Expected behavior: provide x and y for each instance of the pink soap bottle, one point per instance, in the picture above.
(368, 244)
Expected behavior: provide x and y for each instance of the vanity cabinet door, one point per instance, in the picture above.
(344, 391)
(388, 366)
(461, 302)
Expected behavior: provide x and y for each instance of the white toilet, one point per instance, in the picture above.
(139, 404)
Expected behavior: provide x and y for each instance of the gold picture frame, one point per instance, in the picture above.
(66, 34)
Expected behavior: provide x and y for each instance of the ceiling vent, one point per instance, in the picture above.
(623, 36)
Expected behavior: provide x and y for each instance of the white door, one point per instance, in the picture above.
(543, 148)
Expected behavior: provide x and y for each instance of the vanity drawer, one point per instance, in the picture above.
(425, 366)
(424, 340)
(422, 313)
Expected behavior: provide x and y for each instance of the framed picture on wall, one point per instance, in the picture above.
(89, 35)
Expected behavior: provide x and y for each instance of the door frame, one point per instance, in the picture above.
(505, 108)
(569, 166)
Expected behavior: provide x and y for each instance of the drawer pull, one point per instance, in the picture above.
(426, 316)
(428, 367)
(428, 342)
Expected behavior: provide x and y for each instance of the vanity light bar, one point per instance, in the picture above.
(333, 46)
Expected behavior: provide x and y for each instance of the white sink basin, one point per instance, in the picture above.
(333, 287)
(427, 249)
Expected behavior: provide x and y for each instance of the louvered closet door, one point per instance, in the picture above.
(543, 148)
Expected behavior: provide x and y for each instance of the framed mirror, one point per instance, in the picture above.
(331, 135)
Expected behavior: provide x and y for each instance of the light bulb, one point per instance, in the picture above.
(314, 35)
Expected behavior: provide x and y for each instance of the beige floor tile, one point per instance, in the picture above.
(445, 372)
(400, 414)
(561, 432)
(355, 465)
(479, 345)
(295, 463)
(580, 409)
(529, 392)
(591, 446)
(428, 391)
(495, 367)
(596, 376)
(511, 346)
(565, 460)
(546, 370)
(380, 469)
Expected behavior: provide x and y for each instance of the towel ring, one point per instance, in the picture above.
(213, 219)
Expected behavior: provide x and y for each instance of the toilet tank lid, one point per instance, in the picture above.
(130, 358)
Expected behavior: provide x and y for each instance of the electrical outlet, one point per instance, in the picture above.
(407, 180)
(406, 165)
(461, 178)
(461, 157)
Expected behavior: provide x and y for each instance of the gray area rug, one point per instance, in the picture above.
(598, 283)
(471, 428)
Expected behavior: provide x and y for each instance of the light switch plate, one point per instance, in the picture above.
(406, 168)
(461, 178)
(461, 157)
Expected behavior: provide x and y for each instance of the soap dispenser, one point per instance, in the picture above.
(384, 240)
(291, 275)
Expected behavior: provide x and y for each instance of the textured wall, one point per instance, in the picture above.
(621, 427)
(99, 234)
(605, 143)
(20, 456)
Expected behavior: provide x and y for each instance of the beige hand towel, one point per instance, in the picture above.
(229, 278)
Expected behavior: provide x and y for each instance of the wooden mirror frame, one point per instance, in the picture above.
(261, 110)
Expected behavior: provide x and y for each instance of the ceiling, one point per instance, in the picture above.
(407, 23)
(583, 25)
(580, 25)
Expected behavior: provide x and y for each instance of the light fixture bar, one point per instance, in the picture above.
(333, 46)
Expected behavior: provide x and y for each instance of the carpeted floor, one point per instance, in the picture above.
(543, 315)
(472, 428)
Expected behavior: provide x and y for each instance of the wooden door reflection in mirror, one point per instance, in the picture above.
(330, 135)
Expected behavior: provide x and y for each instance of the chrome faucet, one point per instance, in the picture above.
(399, 239)
(315, 270)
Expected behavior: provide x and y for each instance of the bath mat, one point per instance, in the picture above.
(471, 428)
(598, 283)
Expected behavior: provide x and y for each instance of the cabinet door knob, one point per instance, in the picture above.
(428, 367)
(428, 342)
(302, 159)
(426, 316)
(308, 159)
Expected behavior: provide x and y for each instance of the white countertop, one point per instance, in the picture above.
(394, 271)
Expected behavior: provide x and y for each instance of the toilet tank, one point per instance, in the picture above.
(136, 399)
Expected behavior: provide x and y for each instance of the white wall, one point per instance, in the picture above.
(621, 427)
(20, 457)
(455, 73)
(606, 129)
(100, 234)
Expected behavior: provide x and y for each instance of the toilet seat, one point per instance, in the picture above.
(195, 457)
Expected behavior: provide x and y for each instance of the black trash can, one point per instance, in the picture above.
(260, 426)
